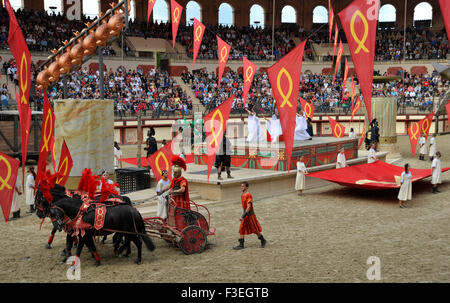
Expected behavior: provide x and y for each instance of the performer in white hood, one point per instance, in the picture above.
(274, 128)
(301, 126)
(255, 134)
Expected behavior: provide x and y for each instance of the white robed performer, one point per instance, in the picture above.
(301, 125)
(162, 190)
(255, 134)
(372, 154)
(423, 147)
(300, 178)
(29, 189)
(341, 161)
(436, 172)
(274, 128)
(15, 206)
(432, 153)
(405, 192)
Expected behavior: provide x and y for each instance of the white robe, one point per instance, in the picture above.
(371, 156)
(300, 128)
(300, 178)
(432, 147)
(352, 135)
(274, 128)
(255, 134)
(15, 206)
(405, 192)
(163, 199)
(423, 145)
(29, 191)
(341, 161)
(436, 176)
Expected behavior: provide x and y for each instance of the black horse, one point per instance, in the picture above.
(121, 218)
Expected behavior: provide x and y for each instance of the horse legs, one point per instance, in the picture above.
(104, 239)
(138, 244)
(91, 245)
(67, 252)
(50, 239)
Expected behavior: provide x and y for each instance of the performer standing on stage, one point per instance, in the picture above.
(352, 134)
(372, 154)
(300, 178)
(300, 127)
(422, 146)
(341, 161)
(405, 192)
(255, 134)
(432, 153)
(436, 172)
(162, 187)
(249, 222)
(179, 185)
(223, 158)
(274, 128)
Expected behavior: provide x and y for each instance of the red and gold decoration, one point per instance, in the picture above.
(337, 129)
(330, 21)
(307, 107)
(416, 129)
(151, 4)
(338, 59)
(447, 107)
(47, 135)
(65, 165)
(160, 160)
(359, 21)
(336, 35)
(355, 108)
(284, 78)
(9, 168)
(199, 31)
(223, 49)
(248, 74)
(215, 126)
(363, 135)
(344, 83)
(176, 11)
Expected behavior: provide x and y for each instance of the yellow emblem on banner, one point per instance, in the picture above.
(247, 74)
(47, 131)
(198, 33)
(360, 42)
(166, 162)
(4, 181)
(213, 130)
(23, 85)
(223, 55)
(414, 133)
(176, 15)
(64, 164)
(308, 109)
(338, 134)
(285, 97)
(427, 127)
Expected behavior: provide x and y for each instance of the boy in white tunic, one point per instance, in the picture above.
(436, 172)
(341, 162)
(29, 189)
(405, 192)
(423, 147)
(15, 206)
(372, 154)
(432, 147)
(162, 187)
(301, 172)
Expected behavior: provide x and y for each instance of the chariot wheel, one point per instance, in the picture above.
(193, 240)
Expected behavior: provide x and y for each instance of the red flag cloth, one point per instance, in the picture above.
(415, 129)
(9, 168)
(307, 107)
(330, 21)
(336, 35)
(338, 59)
(176, 11)
(47, 133)
(65, 165)
(355, 108)
(447, 107)
(190, 158)
(353, 91)
(445, 10)
(248, 74)
(199, 31)
(223, 50)
(378, 175)
(359, 21)
(284, 78)
(363, 135)
(337, 129)
(215, 126)
(345, 77)
(160, 160)
(151, 4)
(52, 150)
(22, 57)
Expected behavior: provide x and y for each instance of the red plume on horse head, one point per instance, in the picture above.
(47, 183)
(177, 160)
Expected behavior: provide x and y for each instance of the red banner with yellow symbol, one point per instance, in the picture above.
(151, 4)
(353, 91)
(9, 168)
(307, 107)
(284, 78)
(344, 83)
(338, 59)
(445, 9)
(336, 35)
(337, 129)
(199, 31)
(160, 160)
(248, 74)
(330, 21)
(223, 50)
(355, 108)
(65, 165)
(53, 151)
(363, 135)
(447, 107)
(47, 134)
(22, 56)
(176, 12)
(215, 126)
(359, 21)
(416, 129)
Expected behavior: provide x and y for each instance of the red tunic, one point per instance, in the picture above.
(182, 200)
(250, 224)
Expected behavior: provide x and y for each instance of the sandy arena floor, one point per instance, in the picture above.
(326, 235)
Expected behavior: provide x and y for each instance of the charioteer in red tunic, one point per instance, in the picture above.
(179, 185)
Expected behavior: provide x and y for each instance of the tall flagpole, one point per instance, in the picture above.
(404, 55)
(273, 27)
